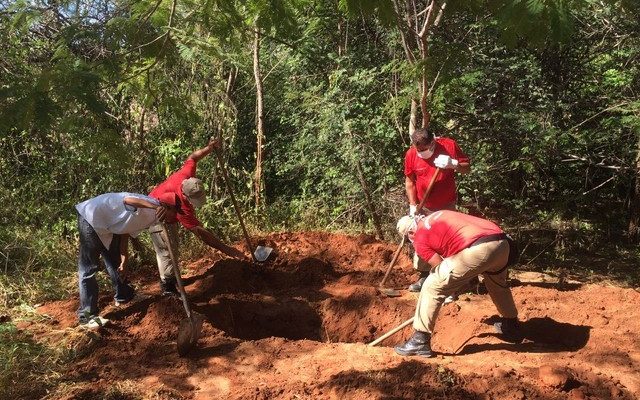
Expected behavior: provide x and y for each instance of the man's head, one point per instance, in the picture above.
(423, 141)
(407, 225)
(193, 190)
(421, 138)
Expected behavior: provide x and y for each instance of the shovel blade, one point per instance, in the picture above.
(262, 253)
(188, 335)
(390, 292)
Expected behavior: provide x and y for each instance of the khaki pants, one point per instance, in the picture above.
(165, 266)
(455, 272)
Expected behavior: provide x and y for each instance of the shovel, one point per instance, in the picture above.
(189, 330)
(261, 253)
(394, 292)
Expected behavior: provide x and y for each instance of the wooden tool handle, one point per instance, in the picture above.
(392, 332)
(233, 199)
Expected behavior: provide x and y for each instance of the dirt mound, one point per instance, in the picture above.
(296, 328)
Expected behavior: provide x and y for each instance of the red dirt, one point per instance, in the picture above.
(295, 328)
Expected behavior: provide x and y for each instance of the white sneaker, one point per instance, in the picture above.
(450, 299)
(95, 323)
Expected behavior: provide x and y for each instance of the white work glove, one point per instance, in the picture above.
(445, 162)
(412, 209)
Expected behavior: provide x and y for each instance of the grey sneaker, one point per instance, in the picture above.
(417, 286)
(94, 322)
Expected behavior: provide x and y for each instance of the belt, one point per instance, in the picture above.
(490, 238)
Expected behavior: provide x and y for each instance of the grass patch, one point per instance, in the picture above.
(27, 368)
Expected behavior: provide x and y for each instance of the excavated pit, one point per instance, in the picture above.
(305, 299)
(289, 328)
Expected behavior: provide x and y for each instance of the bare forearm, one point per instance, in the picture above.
(410, 188)
(139, 203)
(463, 168)
(124, 249)
(200, 153)
(212, 241)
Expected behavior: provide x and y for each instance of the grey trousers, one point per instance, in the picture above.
(162, 251)
(455, 272)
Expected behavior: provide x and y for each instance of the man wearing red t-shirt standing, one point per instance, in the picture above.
(426, 154)
(459, 247)
(190, 194)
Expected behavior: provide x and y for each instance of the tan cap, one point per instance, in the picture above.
(405, 224)
(193, 189)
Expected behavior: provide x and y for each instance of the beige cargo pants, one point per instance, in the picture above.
(165, 266)
(455, 272)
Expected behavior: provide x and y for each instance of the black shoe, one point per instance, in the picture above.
(418, 345)
(168, 287)
(417, 286)
(509, 330)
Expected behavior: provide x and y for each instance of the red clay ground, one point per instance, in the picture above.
(297, 328)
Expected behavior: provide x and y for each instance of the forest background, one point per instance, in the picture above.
(314, 102)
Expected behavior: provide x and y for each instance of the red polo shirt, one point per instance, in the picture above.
(449, 232)
(173, 184)
(420, 172)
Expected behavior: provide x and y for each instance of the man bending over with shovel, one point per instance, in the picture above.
(459, 247)
(105, 223)
(190, 194)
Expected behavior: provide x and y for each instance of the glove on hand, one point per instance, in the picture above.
(412, 209)
(445, 162)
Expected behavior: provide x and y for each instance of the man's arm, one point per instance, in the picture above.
(162, 210)
(410, 188)
(124, 255)
(200, 153)
(211, 240)
(434, 261)
(464, 167)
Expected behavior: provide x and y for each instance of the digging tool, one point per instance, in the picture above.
(394, 292)
(392, 332)
(261, 253)
(189, 330)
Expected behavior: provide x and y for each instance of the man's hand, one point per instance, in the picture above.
(412, 209)
(213, 143)
(161, 213)
(123, 271)
(445, 162)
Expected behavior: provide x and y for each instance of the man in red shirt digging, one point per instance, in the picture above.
(426, 154)
(190, 194)
(459, 247)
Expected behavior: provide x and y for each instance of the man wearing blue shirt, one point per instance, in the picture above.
(105, 223)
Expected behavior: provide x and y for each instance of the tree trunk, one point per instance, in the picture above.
(257, 182)
(367, 197)
(634, 204)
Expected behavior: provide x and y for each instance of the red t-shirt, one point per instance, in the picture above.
(420, 171)
(173, 184)
(448, 232)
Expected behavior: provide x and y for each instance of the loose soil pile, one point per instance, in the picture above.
(297, 327)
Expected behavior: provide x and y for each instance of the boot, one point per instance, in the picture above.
(418, 345)
(509, 330)
(168, 287)
(417, 286)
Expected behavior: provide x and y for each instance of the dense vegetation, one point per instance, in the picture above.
(314, 100)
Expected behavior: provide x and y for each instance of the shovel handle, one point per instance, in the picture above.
(233, 200)
(392, 332)
(176, 270)
(427, 192)
(393, 262)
